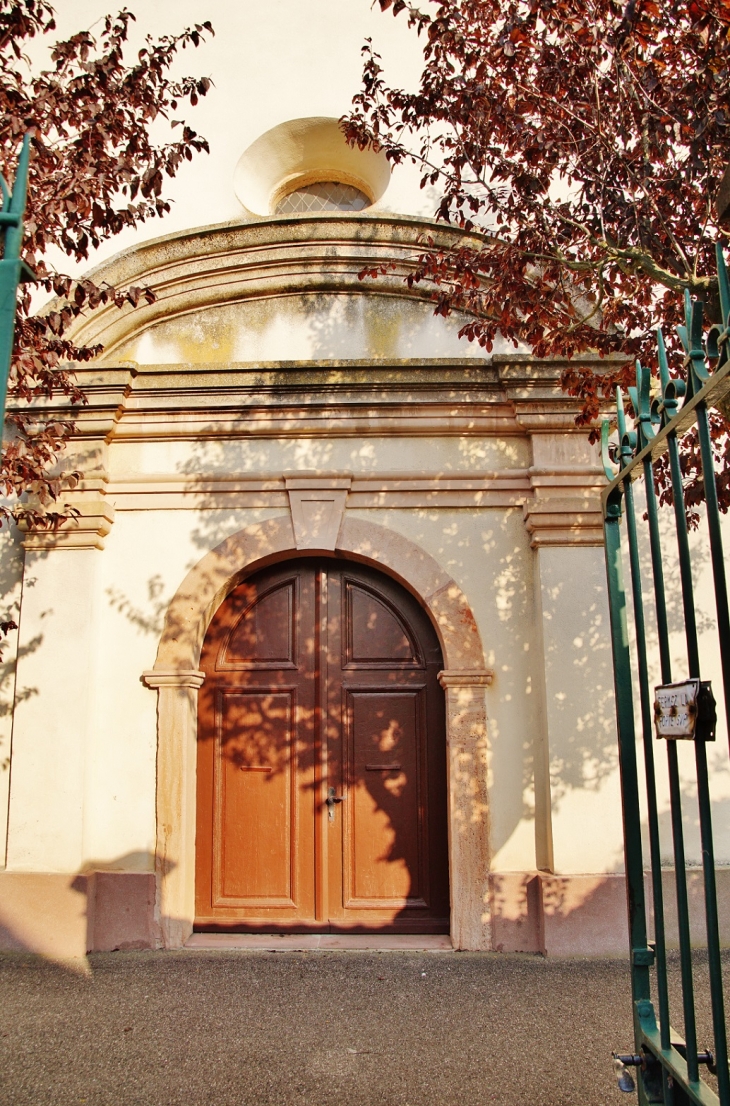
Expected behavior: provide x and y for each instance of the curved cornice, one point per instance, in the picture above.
(229, 262)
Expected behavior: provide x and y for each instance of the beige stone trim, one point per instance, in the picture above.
(177, 733)
(424, 397)
(157, 678)
(420, 420)
(86, 530)
(469, 838)
(562, 521)
(498, 489)
(317, 504)
(466, 677)
(176, 675)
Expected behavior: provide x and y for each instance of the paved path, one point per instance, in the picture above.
(358, 1028)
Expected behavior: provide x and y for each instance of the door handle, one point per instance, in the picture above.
(332, 801)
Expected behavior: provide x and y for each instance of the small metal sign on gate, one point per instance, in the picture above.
(685, 710)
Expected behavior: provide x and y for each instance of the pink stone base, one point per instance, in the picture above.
(558, 915)
(65, 916)
(300, 942)
(123, 911)
(516, 910)
(578, 915)
(584, 915)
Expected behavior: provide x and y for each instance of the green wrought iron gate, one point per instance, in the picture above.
(667, 1068)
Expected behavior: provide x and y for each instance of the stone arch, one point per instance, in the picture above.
(177, 679)
(217, 573)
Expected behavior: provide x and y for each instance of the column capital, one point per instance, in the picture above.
(86, 528)
(173, 677)
(466, 677)
(564, 520)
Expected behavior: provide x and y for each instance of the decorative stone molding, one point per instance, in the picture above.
(565, 477)
(84, 530)
(498, 488)
(554, 520)
(250, 260)
(317, 504)
(174, 677)
(466, 677)
(467, 397)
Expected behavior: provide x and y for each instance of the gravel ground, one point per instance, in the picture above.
(314, 1028)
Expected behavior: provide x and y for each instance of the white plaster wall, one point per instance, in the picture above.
(579, 702)
(11, 576)
(58, 642)
(83, 773)
(305, 327)
(432, 456)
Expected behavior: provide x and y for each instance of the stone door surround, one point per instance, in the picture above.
(176, 677)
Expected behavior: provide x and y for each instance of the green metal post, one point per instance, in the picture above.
(693, 661)
(13, 271)
(703, 786)
(648, 739)
(716, 552)
(627, 749)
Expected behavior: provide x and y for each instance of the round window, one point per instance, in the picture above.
(327, 195)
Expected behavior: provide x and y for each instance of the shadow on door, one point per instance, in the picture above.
(321, 757)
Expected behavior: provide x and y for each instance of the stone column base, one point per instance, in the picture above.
(64, 916)
(585, 915)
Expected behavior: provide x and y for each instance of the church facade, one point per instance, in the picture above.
(325, 646)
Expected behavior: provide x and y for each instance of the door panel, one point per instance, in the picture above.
(264, 633)
(254, 800)
(376, 634)
(321, 680)
(382, 858)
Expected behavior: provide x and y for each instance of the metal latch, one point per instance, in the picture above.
(332, 800)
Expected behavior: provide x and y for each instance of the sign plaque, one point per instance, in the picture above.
(685, 710)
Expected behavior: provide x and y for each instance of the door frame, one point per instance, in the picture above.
(465, 678)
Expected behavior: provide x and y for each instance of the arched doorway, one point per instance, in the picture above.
(321, 783)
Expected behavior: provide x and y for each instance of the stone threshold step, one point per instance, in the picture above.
(301, 942)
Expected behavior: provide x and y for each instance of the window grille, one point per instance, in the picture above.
(323, 196)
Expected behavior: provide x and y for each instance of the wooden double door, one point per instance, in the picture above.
(321, 757)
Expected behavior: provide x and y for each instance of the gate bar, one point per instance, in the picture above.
(648, 739)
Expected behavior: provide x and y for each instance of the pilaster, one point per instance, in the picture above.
(469, 843)
(177, 730)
